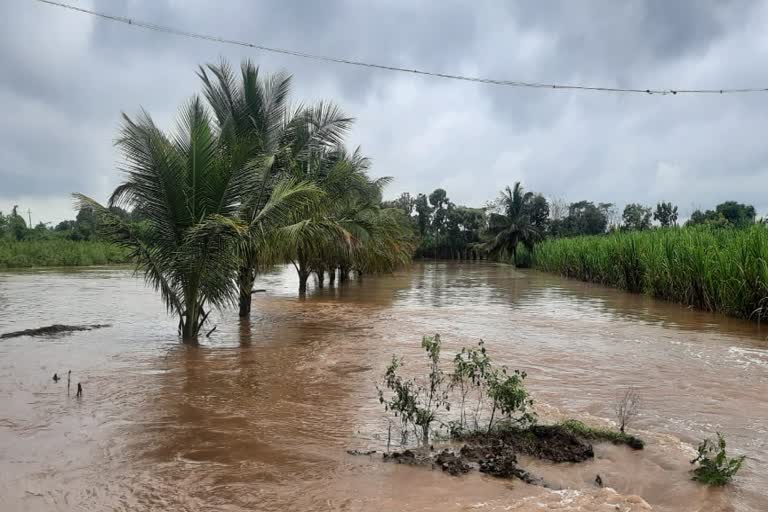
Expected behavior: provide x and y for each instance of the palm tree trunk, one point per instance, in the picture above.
(332, 276)
(246, 278)
(320, 277)
(303, 276)
(343, 274)
(190, 324)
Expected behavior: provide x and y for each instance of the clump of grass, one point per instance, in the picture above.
(584, 431)
(59, 253)
(714, 269)
(714, 466)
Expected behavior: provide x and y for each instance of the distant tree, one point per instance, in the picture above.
(438, 198)
(537, 210)
(558, 208)
(697, 217)
(737, 214)
(86, 223)
(423, 212)
(727, 214)
(665, 214)
(17, 227)
(611, 214)
(3, 225)
(463, 227)
(584, 218)
(636, 217)
(513, 226)
(440, 204)
(405, 202)
(65, 225)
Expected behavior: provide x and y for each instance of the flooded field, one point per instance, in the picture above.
(260, 416)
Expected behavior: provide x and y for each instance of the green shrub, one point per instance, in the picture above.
(422, 401)
(714, 466)
(415, 403)
(509, 396)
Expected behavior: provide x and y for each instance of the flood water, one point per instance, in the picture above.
(260, 416)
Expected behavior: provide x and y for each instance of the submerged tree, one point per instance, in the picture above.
(254, 111)
(351, 231)
(194, 188)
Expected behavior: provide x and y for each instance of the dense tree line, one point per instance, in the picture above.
(84, 227)
(447, 230)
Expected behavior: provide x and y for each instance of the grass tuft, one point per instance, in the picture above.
(579, 429)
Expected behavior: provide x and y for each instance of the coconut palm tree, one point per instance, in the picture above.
(513, 226)
(351, 231)
(194, 188)
(256, 109)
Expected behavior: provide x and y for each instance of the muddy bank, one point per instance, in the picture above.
(548, 442)
(496, 453)
(52, 330)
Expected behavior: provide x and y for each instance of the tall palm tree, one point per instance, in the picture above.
(256, 109)
(193, 187)
(513, 226)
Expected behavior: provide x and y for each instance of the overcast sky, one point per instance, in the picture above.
(66, 77)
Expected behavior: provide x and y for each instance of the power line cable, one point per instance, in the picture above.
(338, 60)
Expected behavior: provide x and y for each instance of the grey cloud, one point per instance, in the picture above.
(66, 77)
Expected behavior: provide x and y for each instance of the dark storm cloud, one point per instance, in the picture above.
(66, 77)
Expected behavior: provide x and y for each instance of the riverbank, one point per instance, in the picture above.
(59, 253)
(717, 270)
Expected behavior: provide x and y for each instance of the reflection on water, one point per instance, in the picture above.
(260, 417)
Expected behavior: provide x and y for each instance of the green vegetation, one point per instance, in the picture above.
(69, 243)
(723, 270)
(245, 182)
(665, 214)
(729, 213)
(583, 431)
(518, 223)
(417, 404)
(492, 394)
(476, 401)
(59, 253)
(714, 467)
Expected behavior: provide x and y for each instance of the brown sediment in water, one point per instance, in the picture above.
(260, 416)
(52, 330)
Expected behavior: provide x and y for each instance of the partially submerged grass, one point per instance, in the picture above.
(584, 431)
(721, 270)
(59, 253)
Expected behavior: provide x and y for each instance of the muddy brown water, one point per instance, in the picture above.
(260, 416)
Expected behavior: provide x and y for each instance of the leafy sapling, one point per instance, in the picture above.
(415, 403)
(714, 467)
(470, 368)
(510, 398)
